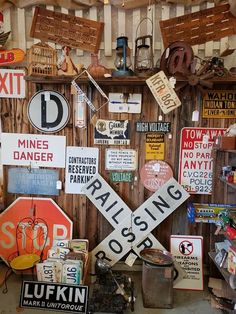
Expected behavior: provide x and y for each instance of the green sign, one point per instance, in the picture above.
(121, 176)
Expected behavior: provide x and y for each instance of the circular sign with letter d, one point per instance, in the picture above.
(48, 111)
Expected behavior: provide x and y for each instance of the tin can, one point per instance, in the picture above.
(157, 279)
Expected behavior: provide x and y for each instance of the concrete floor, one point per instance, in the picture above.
(185, 301)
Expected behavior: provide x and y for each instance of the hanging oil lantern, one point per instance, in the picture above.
(122, 61)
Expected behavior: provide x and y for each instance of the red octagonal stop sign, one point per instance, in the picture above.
(59, 225)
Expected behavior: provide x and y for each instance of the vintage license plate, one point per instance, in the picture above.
(163, 92)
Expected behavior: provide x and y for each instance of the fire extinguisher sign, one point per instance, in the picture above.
(188, 252)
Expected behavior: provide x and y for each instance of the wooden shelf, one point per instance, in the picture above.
(225, 191)
(128, 80)
(232, 185)
(223, 271)
(114, 81)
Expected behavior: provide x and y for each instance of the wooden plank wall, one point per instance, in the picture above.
(88, 223)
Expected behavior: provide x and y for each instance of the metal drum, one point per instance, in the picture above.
(157, 279)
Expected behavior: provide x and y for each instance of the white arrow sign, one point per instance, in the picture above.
(132, 229)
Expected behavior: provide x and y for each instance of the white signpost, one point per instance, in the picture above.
(120, 102)
(132, 229)
(81, 166)
(33, 150)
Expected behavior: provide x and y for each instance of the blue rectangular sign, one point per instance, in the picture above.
(33, 181)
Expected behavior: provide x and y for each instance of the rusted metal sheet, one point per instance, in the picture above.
(66, 30)
(199, 27)
(157, 286)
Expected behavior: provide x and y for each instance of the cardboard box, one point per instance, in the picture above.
(232, 260)
(225, 142)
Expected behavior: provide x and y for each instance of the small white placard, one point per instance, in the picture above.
(121, 159)
(188, 252)
(120, 102)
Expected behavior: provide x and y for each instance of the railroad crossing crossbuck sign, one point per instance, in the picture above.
(132, 229)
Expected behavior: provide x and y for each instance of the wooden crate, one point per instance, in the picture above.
(42, 60)
(199, 27)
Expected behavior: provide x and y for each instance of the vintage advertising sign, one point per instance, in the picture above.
(48, 111)
(195, 162)
(33, 181)
(66, 30)
(121, 159)
(12, 56)
(54, 296)
(146, 127)
(131, 228)
(124, 102)
(33, 150)
(154, 146)
(219, 104)
(121, 176)
(12, 83)
(112, 132)
(188, 252)
(163, 92)
(154, 174)
(59, 225)
(81, 166)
